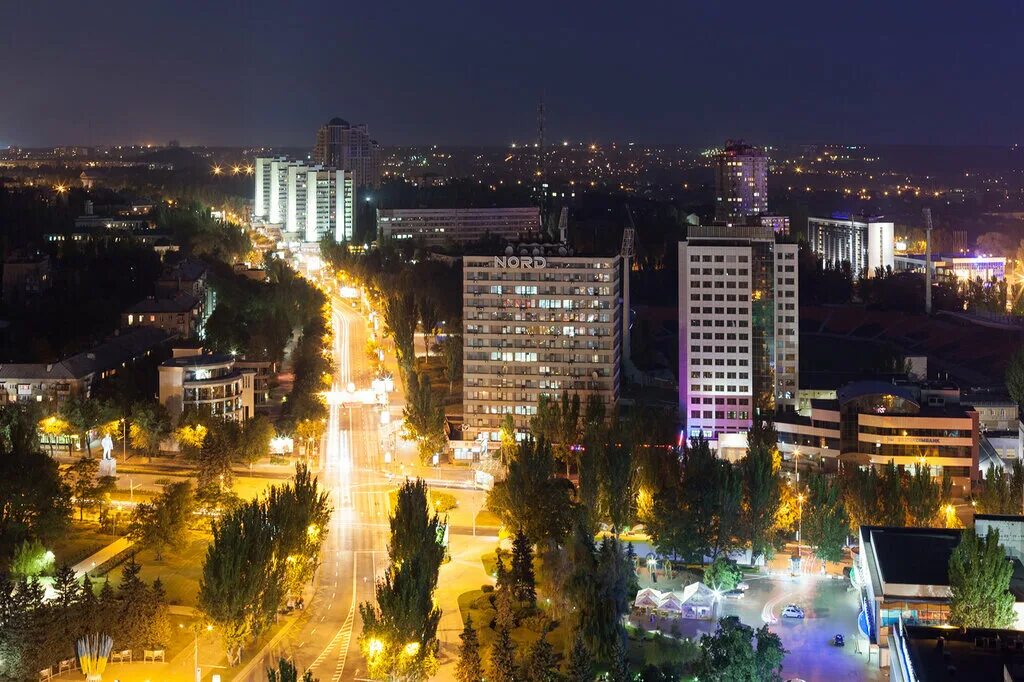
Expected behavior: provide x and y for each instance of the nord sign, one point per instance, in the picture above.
(522, 262)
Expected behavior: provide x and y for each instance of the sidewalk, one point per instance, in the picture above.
(105, 554)
(464, 573)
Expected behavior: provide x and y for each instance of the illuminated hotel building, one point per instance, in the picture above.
(738, 327)
(741, 183)
(308, 202)
(538, 325)
(866, 243)
(958, 266)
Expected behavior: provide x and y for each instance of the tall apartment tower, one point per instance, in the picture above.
(340, 144)
(741, 183)
(308, 202)
(738, 327)
(538, 325)
(865, 242)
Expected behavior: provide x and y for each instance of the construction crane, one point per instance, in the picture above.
(927, 261)
(628, 252)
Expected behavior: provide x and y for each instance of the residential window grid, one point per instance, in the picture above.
(533, 332)
(740, 326)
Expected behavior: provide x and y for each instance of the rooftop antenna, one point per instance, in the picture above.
(541, 160)
(927, 261)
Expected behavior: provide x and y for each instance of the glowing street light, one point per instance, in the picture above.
(375, 647)
(411, 649)
(217, 170)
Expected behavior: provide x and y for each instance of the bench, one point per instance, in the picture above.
(152, 655)
(45, 673)
(121, 656)
(67, 664)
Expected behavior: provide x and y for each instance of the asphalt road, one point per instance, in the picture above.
(829, 609)
(325, 637)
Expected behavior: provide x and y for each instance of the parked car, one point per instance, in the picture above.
(743, 587)
(792, 611)
(838, 640)
(735, 594)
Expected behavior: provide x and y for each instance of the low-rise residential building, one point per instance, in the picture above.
(190, 276)
(179, 315)
(25, 276)
(193, 380)
(74, 376)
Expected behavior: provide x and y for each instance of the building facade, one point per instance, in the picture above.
(537, 325)
(441, 226)
(308, 202)
(739, 321)
(26, 275)
(866, 243)
(347, 146)
(955, 267)
(179, 315)
(210, 383)
(875, 422)
(741, 183)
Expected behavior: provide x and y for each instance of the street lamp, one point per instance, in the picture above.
(796, 468)
(124, 438)
(196, 628)
(799, 531)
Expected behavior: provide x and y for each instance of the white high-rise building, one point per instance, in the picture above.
(866, 243)
(739, 325)
(340, 144)
(535, 325)
(309, 202)
(741, 183)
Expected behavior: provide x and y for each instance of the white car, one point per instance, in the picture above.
(743, 587)
(792, 611)
(735, 594)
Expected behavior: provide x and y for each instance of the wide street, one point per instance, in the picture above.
(325, 637)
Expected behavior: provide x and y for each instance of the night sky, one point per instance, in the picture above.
(255, 72)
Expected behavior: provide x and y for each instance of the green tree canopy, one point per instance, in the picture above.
(979, 582)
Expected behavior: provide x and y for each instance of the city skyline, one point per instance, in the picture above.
(475, 75)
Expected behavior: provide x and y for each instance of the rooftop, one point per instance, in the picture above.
(179, 303)
(938, 653)
(114, 352)
(187, 270)
(204, 360)
(912, 556)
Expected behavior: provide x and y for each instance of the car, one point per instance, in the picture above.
(792, 611)
(743, 586)
(734, 594)
(838, 640)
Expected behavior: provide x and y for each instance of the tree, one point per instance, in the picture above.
(926, 496)
(697, 509)
(428, 319)
(399, 639)
(36, 502)
(762, 496)
(825, 522)
(738, 653)
(84, 415)
(451, 353)
(722, 575)
(287, 672)
(618, 483)
(400, 320)
(503, 658)
(1015, 377)
(31, 560)
(254, 439)
(149, 426)
(507, 439)
(979, 583)
(522, 578)
(163, 522)
(424, 417)
(542, 665)
(470, 666)
(82, 475)
(531, 498)
(581, 665)
(619, 663)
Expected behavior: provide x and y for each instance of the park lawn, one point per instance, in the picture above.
(655, 649)
(82, 540)
(477, 605)
(179, 571)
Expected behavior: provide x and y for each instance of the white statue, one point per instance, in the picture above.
(108, 446)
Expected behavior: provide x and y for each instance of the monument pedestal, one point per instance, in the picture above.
(108, 467)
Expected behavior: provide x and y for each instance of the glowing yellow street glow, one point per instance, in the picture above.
(411, 648)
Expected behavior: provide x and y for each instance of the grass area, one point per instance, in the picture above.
(179, 570)
(479, 605)
(661, 651)
(82, 540)
(438, 499)
(487, 518)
